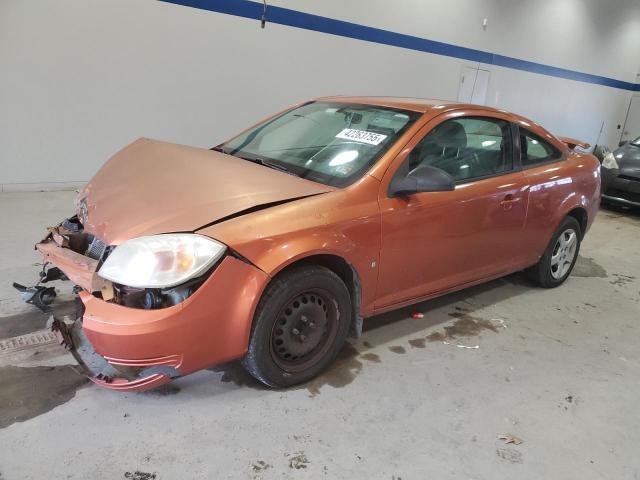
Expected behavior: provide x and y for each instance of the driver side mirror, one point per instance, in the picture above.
(421, 179)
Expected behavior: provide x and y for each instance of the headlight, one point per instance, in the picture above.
(609, 161)
(160, 261)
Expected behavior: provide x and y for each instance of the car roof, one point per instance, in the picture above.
(434, 107)
(421, 105)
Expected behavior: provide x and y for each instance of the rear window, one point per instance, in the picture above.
(534, 150)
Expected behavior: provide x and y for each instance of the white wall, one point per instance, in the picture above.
(600, 37)
(81, 78)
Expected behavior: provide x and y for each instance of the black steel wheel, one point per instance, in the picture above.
(299, 326)
(304, 330)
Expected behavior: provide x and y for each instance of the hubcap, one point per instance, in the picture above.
(564, 251)
(304, 330)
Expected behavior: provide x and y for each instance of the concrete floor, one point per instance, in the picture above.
(558, 369)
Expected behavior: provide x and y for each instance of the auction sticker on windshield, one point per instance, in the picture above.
(362, 136)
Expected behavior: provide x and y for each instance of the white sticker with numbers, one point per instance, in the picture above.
(362, 136)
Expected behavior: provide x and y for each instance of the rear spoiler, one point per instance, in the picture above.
(573, 143)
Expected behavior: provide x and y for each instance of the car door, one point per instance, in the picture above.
(436, 241)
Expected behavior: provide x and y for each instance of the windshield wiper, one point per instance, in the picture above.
(276, 166)
(259, 161)
(266, 163)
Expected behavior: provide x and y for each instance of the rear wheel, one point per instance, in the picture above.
(561, 254)
(299, 326)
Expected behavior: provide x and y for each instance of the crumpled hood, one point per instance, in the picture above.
(153, 187)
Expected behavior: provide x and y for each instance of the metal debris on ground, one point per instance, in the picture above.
(508, 438)
(462, 346)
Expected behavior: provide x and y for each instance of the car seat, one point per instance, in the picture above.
(445, 147)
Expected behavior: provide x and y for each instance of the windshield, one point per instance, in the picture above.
(636, 142)
(330, 143)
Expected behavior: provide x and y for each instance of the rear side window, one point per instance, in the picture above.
(534, 150)
(466, 148)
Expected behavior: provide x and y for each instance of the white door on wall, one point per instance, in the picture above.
(473, 85)
(480, 87)
(631, 128)
(467, 79)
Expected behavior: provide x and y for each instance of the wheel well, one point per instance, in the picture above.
(347, 274)
(580, 214)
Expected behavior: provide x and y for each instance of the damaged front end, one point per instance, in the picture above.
(78, 256)
(72, 254)
(143, 334)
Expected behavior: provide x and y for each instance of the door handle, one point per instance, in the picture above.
(508, 201)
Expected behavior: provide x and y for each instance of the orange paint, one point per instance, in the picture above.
(404, 250)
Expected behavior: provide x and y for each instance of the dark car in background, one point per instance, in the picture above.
(621, 175)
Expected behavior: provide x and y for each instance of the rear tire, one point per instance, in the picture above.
(561, 254)
(300, 325)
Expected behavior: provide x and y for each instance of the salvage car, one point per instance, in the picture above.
(272, 247)
(621, 175)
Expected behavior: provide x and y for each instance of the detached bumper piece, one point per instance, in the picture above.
(620, 188)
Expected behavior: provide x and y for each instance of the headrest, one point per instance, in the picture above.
(449, 134)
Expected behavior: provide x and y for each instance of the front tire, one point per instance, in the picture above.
(561, 254)
(300, 325)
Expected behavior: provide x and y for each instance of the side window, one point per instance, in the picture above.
(466, 148)
(534, 150)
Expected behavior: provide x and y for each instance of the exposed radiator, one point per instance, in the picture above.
(96, 249)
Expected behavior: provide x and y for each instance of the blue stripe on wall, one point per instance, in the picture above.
(317, 23)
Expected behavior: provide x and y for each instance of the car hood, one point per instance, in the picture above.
(153, 187)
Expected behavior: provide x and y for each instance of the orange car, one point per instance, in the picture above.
(272, 247)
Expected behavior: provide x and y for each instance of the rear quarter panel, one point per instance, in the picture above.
(555, 190)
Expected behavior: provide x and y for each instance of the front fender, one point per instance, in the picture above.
(344, 223)
(278, 254)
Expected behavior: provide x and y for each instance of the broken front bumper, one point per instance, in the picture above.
(136, 375)
(126, 348)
